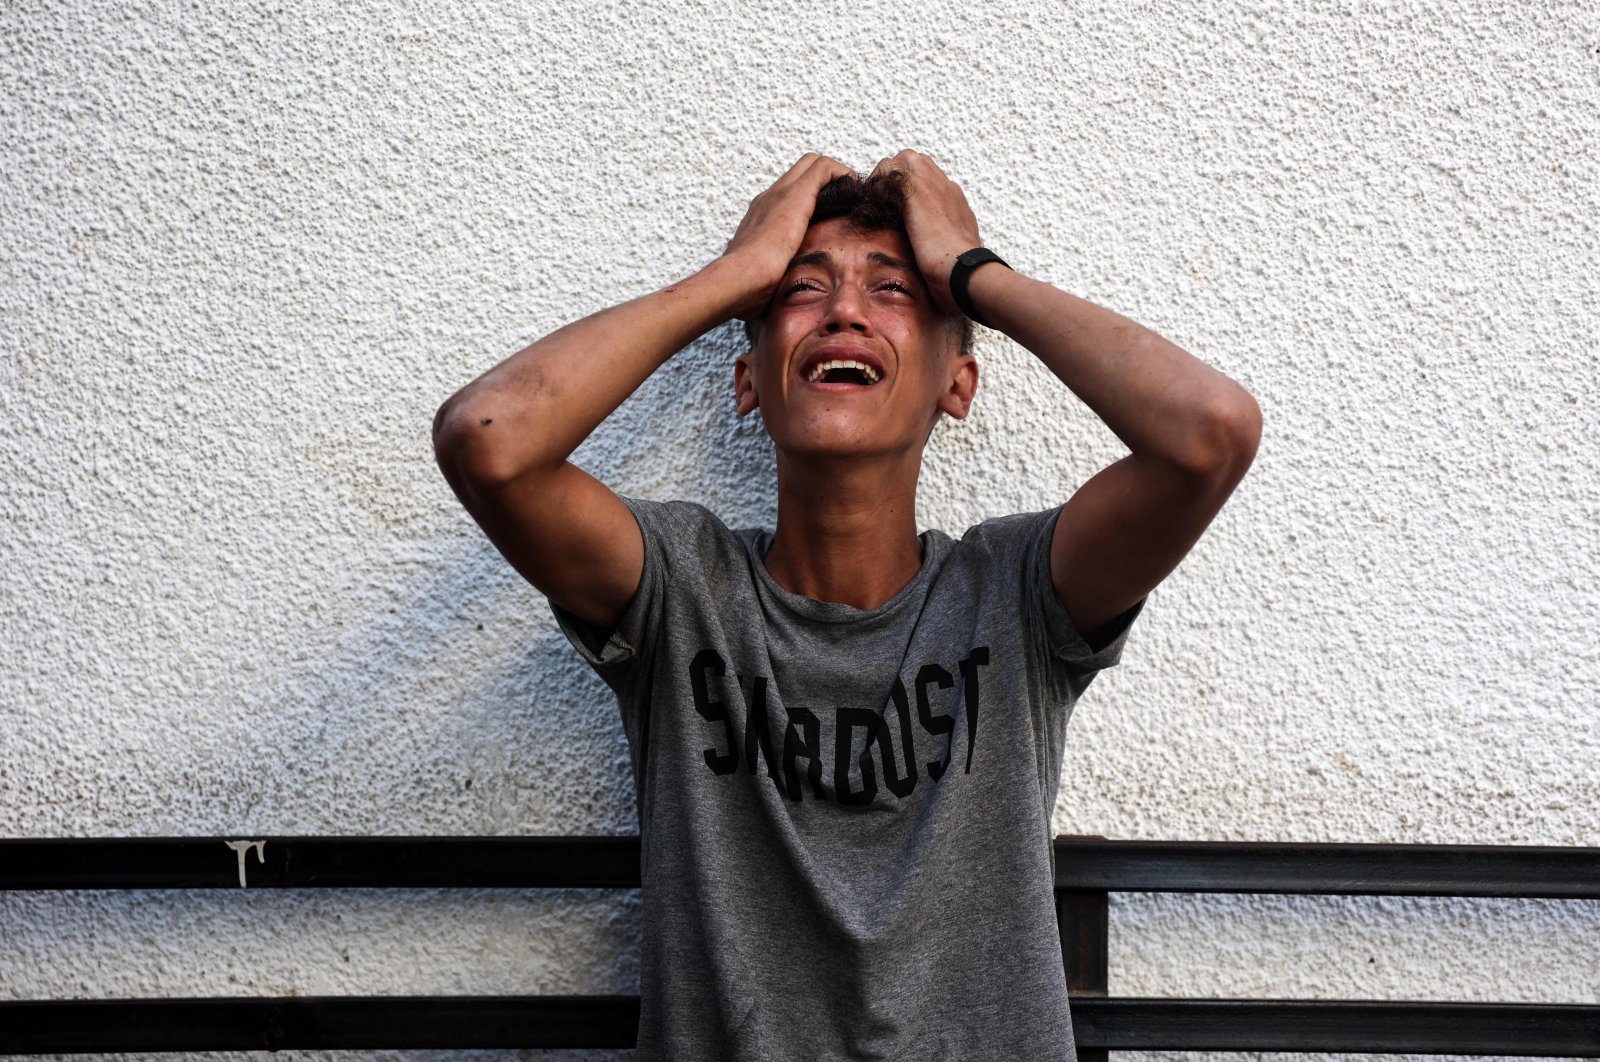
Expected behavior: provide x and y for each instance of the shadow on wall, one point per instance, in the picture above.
(458, 709)
(678, 438)
(455, 706)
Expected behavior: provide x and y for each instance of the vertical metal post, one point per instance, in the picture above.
(1083, 919)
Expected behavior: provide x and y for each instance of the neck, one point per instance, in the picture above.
(847, 529)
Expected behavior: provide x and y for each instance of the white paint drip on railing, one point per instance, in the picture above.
(242, 848)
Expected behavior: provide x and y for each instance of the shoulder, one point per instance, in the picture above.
(685, 533)
(680, 521)
(1009, 539)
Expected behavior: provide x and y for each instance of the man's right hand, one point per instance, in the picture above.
(503, 441)
(776, 223)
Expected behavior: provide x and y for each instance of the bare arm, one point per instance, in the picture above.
(1193, 432)
(1162, 402)
(503, 441)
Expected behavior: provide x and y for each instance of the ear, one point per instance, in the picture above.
(744, 383)
(956, 398)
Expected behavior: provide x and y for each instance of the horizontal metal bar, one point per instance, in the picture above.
(1551, 1030)
(327, 1022)
(319, 862)
(1520, 871)
(1523, 871)
(390, 1022)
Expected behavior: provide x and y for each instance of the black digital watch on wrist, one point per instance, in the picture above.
(962, 273)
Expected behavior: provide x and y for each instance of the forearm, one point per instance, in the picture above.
(1159, 400)
(533, 409)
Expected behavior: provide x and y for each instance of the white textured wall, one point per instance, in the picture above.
(246, 251)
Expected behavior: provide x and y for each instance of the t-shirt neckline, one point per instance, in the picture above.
(757, 544)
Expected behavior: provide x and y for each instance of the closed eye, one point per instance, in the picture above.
(898, 286)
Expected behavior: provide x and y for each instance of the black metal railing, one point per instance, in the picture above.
(1087, 871)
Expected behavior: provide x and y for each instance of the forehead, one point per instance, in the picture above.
(848, 244)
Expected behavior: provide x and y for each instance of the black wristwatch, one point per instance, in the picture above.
(962, 273)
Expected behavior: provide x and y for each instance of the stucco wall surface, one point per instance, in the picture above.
(247, 250)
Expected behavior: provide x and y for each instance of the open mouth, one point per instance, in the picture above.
(843, 371)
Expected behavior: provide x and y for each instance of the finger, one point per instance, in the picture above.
(918, 161)
(806, 171)
(824, 169)
(794, 172)
(885, 165)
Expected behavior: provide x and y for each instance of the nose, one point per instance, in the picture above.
(846, 312)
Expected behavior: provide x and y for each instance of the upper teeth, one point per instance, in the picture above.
(822, 368)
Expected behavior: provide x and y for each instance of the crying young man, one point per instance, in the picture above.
(846, 732)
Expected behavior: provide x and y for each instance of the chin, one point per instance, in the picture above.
(833, 441)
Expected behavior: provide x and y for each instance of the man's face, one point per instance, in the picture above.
(851, 356)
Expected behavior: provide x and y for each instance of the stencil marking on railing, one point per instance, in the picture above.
(242, 848)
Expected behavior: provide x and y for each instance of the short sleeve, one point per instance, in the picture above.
(1060, 638)
(613, 653)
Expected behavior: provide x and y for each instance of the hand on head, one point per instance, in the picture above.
(939, 224)
(776, 222)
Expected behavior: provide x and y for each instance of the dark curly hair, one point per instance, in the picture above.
(869, 204)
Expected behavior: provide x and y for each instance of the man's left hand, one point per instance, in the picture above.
(939, 223)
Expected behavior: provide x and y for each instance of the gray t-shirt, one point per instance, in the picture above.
(845, 814)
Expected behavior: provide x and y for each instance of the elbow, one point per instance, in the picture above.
(1244, 428)
(482, 447)
(460, 446)
(449, 436)
(443, 428)
(1225, 447)
(448, 445)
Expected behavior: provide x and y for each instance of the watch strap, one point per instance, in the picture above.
(961, 275)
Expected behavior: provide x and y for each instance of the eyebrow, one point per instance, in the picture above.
(876, 257)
